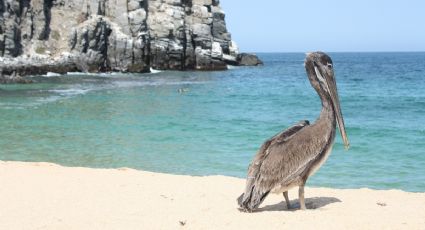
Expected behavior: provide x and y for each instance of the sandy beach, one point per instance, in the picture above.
(49, 196)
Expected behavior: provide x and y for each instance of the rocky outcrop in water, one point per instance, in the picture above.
(248, 59)
(39, 36)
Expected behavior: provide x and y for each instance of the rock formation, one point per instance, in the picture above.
(39, 36)
(248, 60)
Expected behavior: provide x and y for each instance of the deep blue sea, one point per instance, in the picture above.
(208, 123)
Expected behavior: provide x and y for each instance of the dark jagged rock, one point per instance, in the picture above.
(13, 78)
(248, 59)
(40, 36)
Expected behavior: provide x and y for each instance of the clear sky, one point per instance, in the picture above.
(328, 25)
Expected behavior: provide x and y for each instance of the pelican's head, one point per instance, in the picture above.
(320, 71)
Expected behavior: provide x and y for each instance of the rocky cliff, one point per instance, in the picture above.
(39, 36)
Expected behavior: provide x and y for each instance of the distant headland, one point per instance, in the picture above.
(37, 37)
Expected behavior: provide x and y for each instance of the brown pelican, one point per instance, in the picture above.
(290, 157)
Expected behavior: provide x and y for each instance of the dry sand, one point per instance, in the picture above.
(49, 196)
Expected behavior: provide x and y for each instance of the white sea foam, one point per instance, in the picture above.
(105, 74)
(80, 74)
(70, 92)
(35, 103)
(51, 74)
(155, 70)
(131, 84)
(44, 100)
(12, 106)
(233, 67)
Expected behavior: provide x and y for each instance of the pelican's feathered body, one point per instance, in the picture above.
(290, 157)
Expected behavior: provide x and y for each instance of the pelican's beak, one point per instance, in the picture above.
(339, 118)
(332, 89)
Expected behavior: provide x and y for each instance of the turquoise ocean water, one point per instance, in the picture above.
(208, 123)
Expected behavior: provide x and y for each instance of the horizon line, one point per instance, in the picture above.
(333, 51)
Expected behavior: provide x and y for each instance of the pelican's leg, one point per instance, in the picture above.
(288, 205)
(301, 197)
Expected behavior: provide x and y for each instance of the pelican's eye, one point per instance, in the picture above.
(329, 65)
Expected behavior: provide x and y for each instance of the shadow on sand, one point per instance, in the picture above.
(311, 203)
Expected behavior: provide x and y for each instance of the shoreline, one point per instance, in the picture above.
(50, 196)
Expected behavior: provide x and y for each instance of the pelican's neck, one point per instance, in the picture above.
(327, 115)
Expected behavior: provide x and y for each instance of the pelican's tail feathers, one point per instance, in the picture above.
(251, 199)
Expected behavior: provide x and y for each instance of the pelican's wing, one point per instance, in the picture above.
(268, 145)
(255, 189)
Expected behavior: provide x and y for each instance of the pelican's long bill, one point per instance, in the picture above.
(329, 79)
